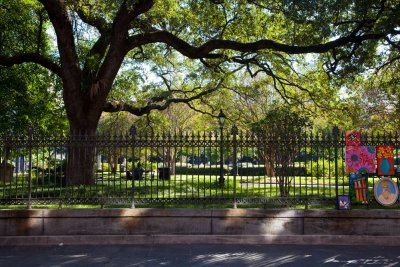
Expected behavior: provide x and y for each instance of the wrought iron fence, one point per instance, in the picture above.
(177, 168)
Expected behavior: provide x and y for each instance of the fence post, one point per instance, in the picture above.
(132, 132)
(235, 167)
(30, 141)
(335, 132)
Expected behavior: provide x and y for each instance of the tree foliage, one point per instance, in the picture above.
(30, 98)
(197, 41)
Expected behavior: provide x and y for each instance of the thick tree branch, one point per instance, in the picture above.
(119, 33)
(102, 83)
(97, 22)
(70, 69)
(58, 15)
(116, 106)
(205, 50)
(140, 7)
(40, 31)
(31, 57)
(99, 49)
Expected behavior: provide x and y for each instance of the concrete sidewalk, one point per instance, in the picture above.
(199, 255)
(177, 239)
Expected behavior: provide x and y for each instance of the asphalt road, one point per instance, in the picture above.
(199, 255)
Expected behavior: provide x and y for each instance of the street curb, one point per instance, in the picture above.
(198, 239)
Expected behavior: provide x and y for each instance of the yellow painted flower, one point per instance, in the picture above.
(384, 152)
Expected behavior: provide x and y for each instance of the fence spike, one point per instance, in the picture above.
(234, 130)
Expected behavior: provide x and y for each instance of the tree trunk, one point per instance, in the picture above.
(113, 160)
(171, 158)
(270, 163)
(84, 109)
(81, 163)
(81, 157)
(284, 185)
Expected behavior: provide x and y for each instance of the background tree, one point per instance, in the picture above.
(281, 129)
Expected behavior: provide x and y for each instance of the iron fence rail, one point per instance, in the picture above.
(178, 168)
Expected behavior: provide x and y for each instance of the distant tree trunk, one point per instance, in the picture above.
(173, 164)
(171, 159)
(277, 160)
(270, 162)
(113, 160)
(284, 185)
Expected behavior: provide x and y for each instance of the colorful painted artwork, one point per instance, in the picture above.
(344, 202)
(358, 188)
(385, 160)
(353, 138)
(360, 159)
(386, 191)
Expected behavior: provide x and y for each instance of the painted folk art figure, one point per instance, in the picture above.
(386, 191)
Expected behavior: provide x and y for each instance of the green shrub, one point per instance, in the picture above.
(261, 171)
(324, 168)
(57, 165)
(148, 166)
(151, 166)
(198, 171)
(105, 167)
(251, 171)
(291, 171)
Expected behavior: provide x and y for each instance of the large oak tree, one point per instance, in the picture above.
(95, 38)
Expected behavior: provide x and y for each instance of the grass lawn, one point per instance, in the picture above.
(179, 189)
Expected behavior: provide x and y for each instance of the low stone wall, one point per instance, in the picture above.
(139, 226)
